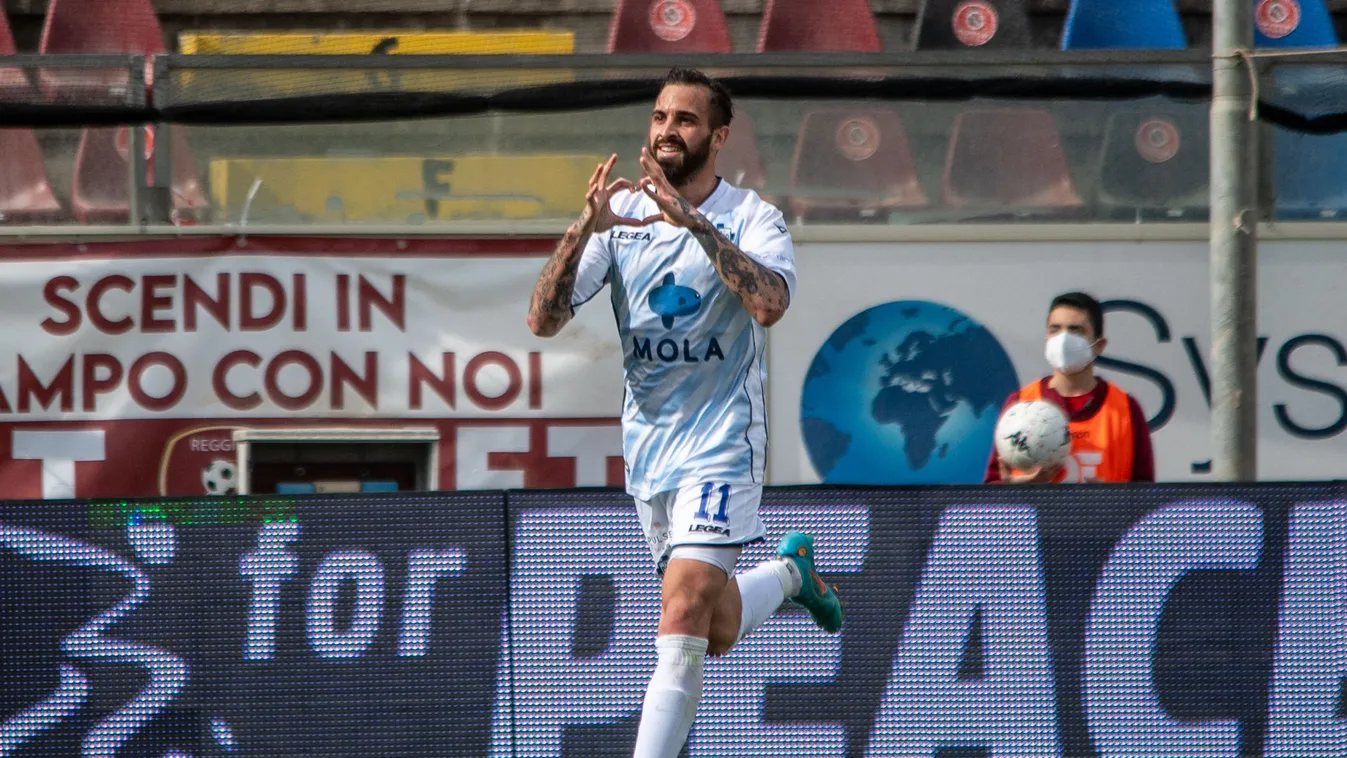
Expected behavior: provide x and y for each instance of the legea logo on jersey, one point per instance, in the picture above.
(671, 301)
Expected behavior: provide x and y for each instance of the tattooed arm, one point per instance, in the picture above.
(550, 307)
(763, 292)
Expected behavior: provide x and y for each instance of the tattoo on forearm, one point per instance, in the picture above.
(756, 285)
(551, 302)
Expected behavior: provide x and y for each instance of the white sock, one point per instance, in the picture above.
(763, 589)
(672, 697)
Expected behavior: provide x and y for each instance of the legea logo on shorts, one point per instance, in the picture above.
(907, 392)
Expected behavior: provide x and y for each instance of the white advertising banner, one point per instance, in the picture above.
(130, 365)
(260, 336)
(894, 359)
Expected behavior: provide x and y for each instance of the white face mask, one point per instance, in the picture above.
(1069, 353)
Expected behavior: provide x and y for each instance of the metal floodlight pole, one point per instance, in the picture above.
(1234, 245)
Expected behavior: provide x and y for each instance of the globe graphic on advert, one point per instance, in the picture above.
(907, 392)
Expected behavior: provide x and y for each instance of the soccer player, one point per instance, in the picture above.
(699, 269)
(1110, 437)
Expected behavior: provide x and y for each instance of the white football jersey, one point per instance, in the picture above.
(695, 404)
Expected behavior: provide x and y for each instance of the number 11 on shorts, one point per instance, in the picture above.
(721, 516)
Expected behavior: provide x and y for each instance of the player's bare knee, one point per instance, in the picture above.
(686, 607)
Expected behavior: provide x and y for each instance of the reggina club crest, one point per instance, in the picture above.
(1277, 18)
(672, 20)
(975, 22)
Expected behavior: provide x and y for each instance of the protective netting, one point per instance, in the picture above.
(413, 139)
(1300, 93)
(249, 89)
(72, 90)
(1303, 94)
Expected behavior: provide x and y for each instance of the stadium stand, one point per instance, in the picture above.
(1107, 161)
(400, 186)
(1003, 160)
(1154, 157)
(100, 192)
(669, 26)
(25, 192)
(1310, 170)
(1008, 160)
(987, 24)
(1155, 161)
(840, 157)
(810, 26)
(1130, 24)
(853, 164)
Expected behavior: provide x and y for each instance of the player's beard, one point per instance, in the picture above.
(678, 169)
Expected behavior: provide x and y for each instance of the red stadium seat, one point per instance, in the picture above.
(99, 191)
(100, 194)
(25, 192)
(97, 26)
(1007, 158)
(827, 181)
(851, 163)
(101, 26)
(819, 26)
(738, 161)
(998, 159)
(12, 81)
(669, 26)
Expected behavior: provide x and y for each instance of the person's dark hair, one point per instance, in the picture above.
(1083, 302)
(722, 108)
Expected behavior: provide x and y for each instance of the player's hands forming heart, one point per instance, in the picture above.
(598, 213)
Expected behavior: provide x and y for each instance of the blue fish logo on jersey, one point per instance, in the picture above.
(670, 301)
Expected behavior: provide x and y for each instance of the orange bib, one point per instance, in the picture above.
(1101, 446)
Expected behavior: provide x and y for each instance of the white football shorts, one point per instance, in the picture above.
(713, 513)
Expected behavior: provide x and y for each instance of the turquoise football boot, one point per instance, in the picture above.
(816, 597)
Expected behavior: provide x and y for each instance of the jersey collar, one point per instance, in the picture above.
(715, 195)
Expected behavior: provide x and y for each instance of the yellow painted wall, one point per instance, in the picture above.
(404, 189)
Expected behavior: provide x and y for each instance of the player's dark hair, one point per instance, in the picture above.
(1082, 302)
(722, 108)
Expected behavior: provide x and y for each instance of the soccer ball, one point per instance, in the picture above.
(1033, 433)
(220, 477)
